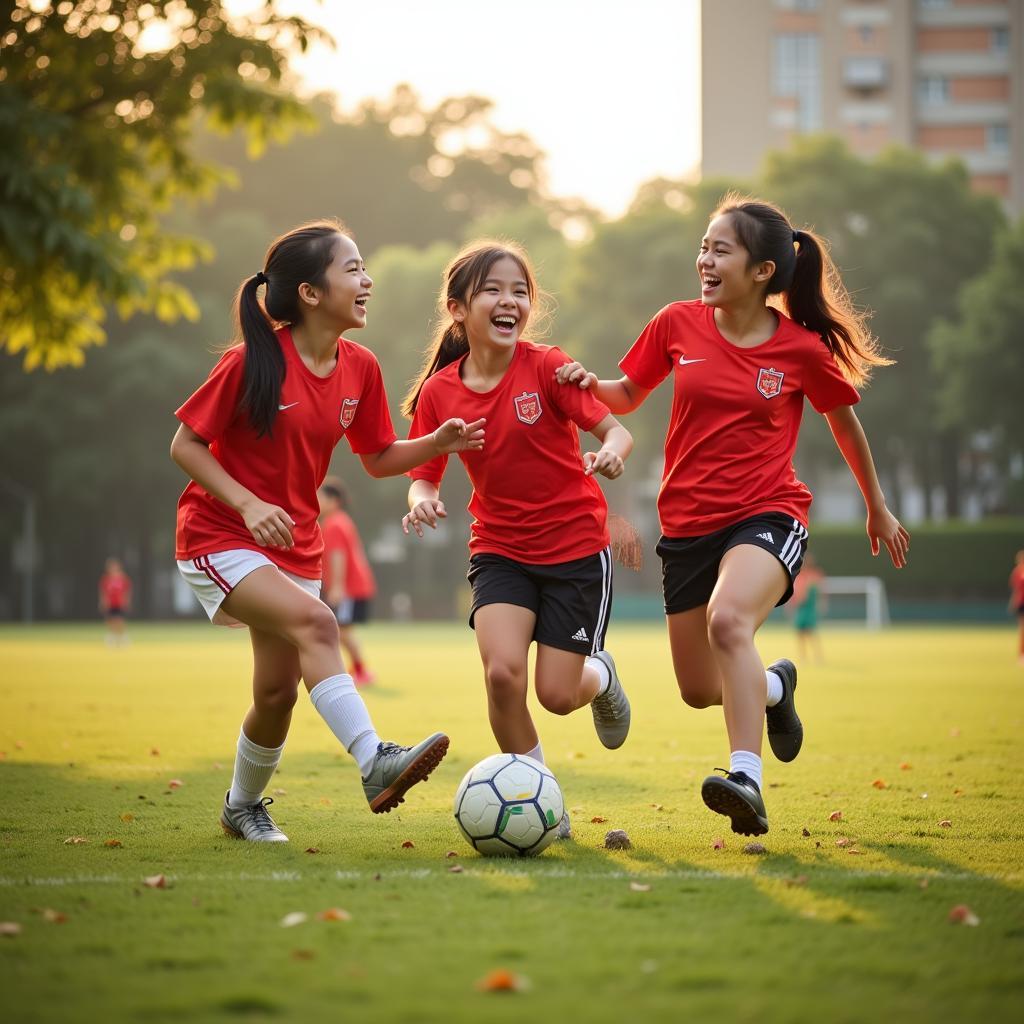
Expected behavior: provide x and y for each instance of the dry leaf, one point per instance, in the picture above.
(334, 914)
(127, 817)
(597, 820)
(958, 792)
(326, 801)
(53, 916)
(451, 853)
(658, 807)
(294, 918)
(842, 841)
(880, 784)
(639, 887)
(755, 848)
(962, 914)
(617, 839)
(312, 849)
(156, 881)
(905, 766)
(719, 844)
(10, 928)
(805, 833)
(858, 853)
(836, 816)
(75, 840)
(408, 844)
(502, 980)
(456, 869)
(112, 843)
(154, 752)
(303, 954)
(945, 823)
(175, 784)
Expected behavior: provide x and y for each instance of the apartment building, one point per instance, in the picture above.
(943, 76)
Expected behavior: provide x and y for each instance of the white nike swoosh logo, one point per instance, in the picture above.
(683, 361)
(283, 407)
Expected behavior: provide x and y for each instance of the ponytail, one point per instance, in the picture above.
(808, 282)
(450, 343)
(301, 256)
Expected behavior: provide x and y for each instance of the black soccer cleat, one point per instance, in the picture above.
(785, 730)
(738, 798)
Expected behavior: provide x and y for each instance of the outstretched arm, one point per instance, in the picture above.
(621, 396)
(399, 457)
(882, 526)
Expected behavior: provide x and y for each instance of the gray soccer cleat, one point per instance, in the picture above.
(564, 827)
(397, 769)
(611, 708)
(737, 797)
(252, 822)
(785, 731)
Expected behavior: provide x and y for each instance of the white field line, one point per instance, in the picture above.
(543, 874)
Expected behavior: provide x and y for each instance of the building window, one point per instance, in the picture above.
(933, 89)
(798, 75)
(998, 138)
(1000, 40)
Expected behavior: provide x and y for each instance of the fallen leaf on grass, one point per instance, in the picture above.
(658, 807)
(127, 817)
(53, 916)
(154, 752)
(805, 833)
(958, 792)
(155, 881)
(334, 914)
(456, 869)
(857, 853)
(294, 918)
(303, 954)
(312, 849)
(451, 853)
(597, 820)
(408, 844)
(10, 928)
(836, 816)
(639, 887)
(880, 784)
(962, 914)
(719, 844)
(502, 980)
(175, 784)
(905, 766)
(755, 848)
(945, 823)
(112, 843)
(75, 840)
(843, 842)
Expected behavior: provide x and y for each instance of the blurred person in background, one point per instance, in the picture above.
(808, 604)
(1017, 602)
(115, 601)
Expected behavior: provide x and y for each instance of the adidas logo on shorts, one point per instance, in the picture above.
(580, 634)
(766, 536)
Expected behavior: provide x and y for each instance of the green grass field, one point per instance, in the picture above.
(91, 739)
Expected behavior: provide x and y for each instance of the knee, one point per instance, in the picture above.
(317, 626)
(506, 683)
(557, 701)
(699, 698)
(277, 700)
(728, 629)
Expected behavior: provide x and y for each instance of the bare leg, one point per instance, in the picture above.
(697, 672)
(275, 685)
(563, 682)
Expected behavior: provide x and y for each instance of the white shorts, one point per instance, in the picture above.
(212, 577)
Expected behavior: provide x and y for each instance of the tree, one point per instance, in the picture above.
(97, 109)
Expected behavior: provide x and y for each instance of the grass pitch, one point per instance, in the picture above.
(913, 735)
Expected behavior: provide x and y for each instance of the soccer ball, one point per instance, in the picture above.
(509, 805)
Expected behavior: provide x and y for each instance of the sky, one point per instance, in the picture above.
(610, 89)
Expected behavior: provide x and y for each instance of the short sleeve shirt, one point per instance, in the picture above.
(286, 466)
(735, 416)
(531, 501)
(340, 534)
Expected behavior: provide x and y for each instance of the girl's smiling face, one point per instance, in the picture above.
(724, 267)
(347, 286)
(498, 312)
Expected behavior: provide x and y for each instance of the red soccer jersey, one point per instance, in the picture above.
(340, 534)
(531, 501)
(735, 416)
(115, 590)
(1017, 586)
(287, 466)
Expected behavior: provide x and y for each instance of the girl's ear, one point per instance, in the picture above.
(308, 294)
(765, 271)
(456, 309)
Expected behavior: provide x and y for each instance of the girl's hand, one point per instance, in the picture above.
(604, 462)
(427, 512)
(883, 527)
(270, 525)
(457, 435)
(575, 373)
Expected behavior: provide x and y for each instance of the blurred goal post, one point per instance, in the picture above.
(871, 588)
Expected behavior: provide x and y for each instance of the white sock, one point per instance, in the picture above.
(537, 754)
(254, 768)
(774, 688)
(344, 710)
(602, 673)
(747, 762)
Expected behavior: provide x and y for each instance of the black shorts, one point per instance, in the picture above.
(689, 565)
(572, 600)
(352, 611)
(114, 612)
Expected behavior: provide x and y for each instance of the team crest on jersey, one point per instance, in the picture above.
(769, 382)
(528, 407)
(348, 411)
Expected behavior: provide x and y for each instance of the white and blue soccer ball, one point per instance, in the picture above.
(509, 805)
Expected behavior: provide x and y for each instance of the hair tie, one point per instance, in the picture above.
(261, 278)
(796, 236)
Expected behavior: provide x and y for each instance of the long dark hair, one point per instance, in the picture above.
(300, 256)
(462, 280)
(807, 281)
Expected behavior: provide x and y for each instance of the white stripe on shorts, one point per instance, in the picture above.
(606, 596)
(791, 549)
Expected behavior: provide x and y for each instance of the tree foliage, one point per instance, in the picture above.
(98, 102)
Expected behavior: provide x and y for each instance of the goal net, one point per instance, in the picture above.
(856, 600)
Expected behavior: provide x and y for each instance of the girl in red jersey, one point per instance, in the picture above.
(733, 514)
(256, 439)
(115, 600)
(1017, 602)
(540, 565)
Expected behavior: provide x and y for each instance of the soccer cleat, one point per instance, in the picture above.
(611, 708)
(738, 798)
(564, 827)
(251, 822)
(397, 769)
(785, 731)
